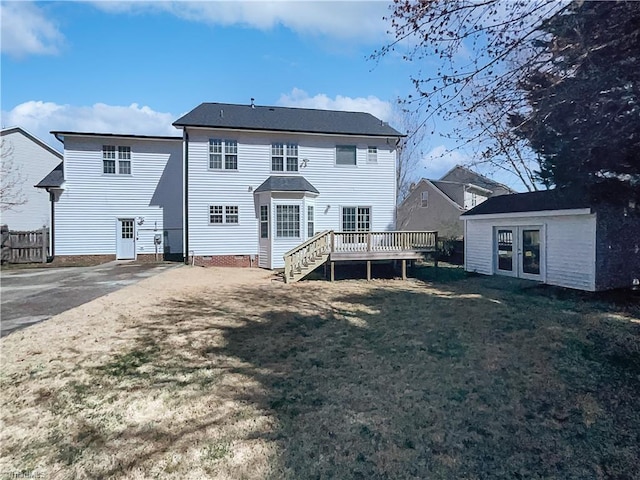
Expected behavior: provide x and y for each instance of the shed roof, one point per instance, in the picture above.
(277, 183)
(55, 178)
(285, 119)
(544, 200)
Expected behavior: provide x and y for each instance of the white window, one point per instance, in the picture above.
(223, 154)
(356, 219)
(345, 155)
(284, 157)
(264, 221)
(310, 221)
(372, 154)
(220, 214)
(288, 221)
(111, 154)
(424, 199)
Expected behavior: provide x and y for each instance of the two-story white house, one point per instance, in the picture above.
(261, 180)
(243, 185)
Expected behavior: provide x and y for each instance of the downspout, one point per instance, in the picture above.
(185, 202)
(52, 227)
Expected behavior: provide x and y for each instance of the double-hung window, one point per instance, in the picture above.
(372, 154)
(424, 199)
(288, 221)
(310, 221)
(221, 214)
(346, 155)
(284, 157)
(112, 154)
(264, 221)
(223, 154)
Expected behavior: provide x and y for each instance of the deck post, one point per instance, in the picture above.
(333, 271)
(368, 269)
(45, 242)
(435, 253)
(404, 269)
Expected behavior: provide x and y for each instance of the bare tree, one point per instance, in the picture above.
(410, 149)
(11, 179)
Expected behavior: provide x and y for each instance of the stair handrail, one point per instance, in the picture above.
(300, 255)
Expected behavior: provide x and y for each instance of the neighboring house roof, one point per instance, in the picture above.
(278, 183)
(462, 174)
(54, 179)
(58, 133)
(285, 119)
(558, 199)
(454, 191)
(7, 131)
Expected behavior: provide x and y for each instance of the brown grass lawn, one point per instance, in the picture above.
(214, 373)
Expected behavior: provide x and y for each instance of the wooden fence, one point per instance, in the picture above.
(24, 247)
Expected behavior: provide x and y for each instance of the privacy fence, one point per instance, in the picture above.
(24, 247)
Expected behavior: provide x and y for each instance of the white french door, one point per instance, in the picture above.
(519, 251)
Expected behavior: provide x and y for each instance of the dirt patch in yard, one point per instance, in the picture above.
(224, 373)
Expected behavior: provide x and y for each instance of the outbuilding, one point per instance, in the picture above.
(556, 237)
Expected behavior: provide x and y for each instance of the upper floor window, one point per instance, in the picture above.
(372, 154)
(223, 154)
(424, 199)
(284, 157)
(111, 154)
(345, 155)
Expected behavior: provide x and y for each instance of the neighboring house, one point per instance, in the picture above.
(25, 160)
(555, 237)
(261, 180)
(257, 182)
(437, 204)
(117, 196)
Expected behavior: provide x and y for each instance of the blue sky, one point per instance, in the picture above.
(134, 67)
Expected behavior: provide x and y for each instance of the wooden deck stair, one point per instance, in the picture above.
(349, 246)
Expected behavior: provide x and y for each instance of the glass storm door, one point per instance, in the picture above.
(519, 252)
(530, 252)
(125, 239)
(504, 243)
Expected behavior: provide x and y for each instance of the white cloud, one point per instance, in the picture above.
(41, 117)
(440, 160)
(26, 30)
(355, 19)
(371, 104)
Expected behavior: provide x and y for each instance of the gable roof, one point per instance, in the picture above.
(30, 136)
(55, 178)
(544, 200)
(277, 183)
(285, 119)
(464, 175)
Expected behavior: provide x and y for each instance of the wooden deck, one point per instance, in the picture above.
(332, 247)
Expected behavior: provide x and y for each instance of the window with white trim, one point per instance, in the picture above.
(288, 221)
(221, 214)
(424, 199)
(264, 221)
(356, 219)
(310, 221)
(372, 154)
(345, 155)
(112, 154)
(284, 157)
(223, 154)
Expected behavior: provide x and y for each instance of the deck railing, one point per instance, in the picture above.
(348, 242)
(307, 253)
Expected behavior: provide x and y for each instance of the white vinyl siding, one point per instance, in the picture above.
(568, 242)
(88, 209)
(370, 184)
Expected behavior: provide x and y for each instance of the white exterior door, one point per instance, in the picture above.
(264, 257)
(519, 252)
(125, 239)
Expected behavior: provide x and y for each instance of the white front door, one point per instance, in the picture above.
(125, 239)
(519, 252)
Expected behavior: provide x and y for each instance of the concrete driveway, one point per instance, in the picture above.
(33, 295)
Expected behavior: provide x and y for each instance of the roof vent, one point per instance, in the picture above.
(221, 113)
(253, 104)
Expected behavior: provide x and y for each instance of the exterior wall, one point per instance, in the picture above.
(440, 215)
(243, 261)
(366, 184)
(569, 245)
(472, 199)
(618, 247)
(34, 162)
(88, 208)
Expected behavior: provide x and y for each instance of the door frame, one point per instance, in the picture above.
(517, 252)
(119, 234)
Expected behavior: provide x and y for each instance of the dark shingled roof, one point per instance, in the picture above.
(54, 179)
(277, 183)
(557, 199)
(284, 119)
(464, 175)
